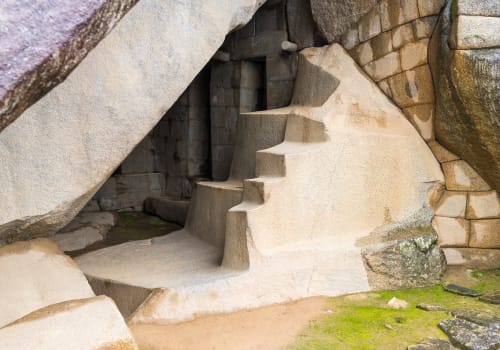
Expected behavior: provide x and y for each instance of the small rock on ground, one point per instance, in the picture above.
(396, 303)
(470, 336)
(454, 288)
(431, 307)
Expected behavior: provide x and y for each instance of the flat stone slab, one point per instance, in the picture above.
(41, 42)
(456, 289)
(431, 344)
(470, 336)
(78, 239)
(493, 298)
(86, 324)
(482, 318)
(86, 229)
(431, 307)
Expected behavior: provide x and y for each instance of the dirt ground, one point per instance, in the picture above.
(268, 328)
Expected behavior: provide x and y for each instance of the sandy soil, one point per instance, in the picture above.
(268, 328)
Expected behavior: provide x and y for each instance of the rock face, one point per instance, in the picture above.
(86, 324)
(405, 263)
(43, 41)
(334, 17)
(467, 81)
(104, 108)
(36, 274)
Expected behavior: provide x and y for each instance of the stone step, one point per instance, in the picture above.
(168, 208)
(209, 205)
(256, 131)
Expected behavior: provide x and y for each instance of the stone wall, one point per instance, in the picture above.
(391, 44)
(235, 87)
(168, 160)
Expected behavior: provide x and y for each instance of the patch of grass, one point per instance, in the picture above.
(365, 321)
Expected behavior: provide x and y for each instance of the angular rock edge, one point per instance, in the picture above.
(27, 74)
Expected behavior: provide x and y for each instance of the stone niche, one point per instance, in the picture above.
(195, 139)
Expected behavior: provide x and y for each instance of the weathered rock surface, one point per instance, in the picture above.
(456, 289)
(493, 298)
(86, 229)
(36, 274)
(86, 324)
(470, 336)
(431, 307)
(431, 344)
(42, 42)
(78, 239)
(483, 318)
(467, 101)
(335, 17)
(104, 108)
(405, 263)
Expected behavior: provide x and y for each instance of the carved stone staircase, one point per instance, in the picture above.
(309, 183)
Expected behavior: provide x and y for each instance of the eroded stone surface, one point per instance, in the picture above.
(334, 17)
(431, 344)
(467, 102)
(431, 307)
(470, 336)
(405, 263)
(456, 289)
(42, 42)
(493, 298)
(86, 324)
(483, 318)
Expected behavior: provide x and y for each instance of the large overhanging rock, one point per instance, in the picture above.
(467, 83)
(59, 152)
(334, 17)
(41, 42)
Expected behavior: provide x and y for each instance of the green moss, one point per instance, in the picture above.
(365, 322)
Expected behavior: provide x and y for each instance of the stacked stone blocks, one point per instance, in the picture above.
(391, 44)
(468, 213)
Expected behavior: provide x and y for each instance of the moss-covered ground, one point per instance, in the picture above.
(364, 321)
